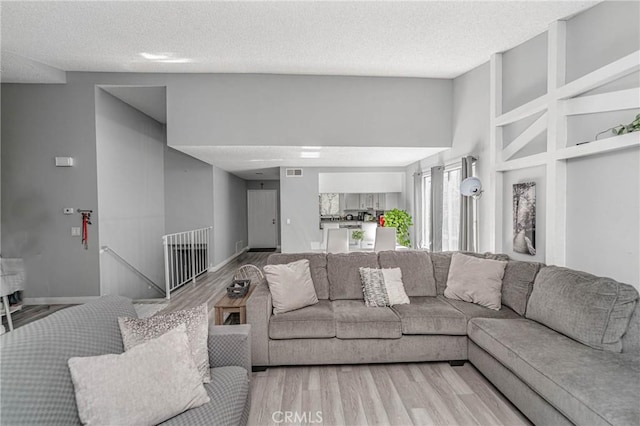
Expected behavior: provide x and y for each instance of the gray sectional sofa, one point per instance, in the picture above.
(35, 382)
(564, 347)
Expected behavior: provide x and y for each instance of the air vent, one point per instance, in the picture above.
(293, 173)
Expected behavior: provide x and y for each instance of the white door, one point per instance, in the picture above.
(262, 217)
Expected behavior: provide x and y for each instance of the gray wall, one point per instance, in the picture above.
(524, 72)
(269, 184)
(299, 203)
(308, 110)
(40, 122)
(470, 135)
(229, 215)
(188, 192)
(130, 166)
(603, 211)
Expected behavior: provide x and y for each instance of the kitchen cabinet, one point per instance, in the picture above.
(379, 201)
(366, 201)
(392, 200)
(351, 201)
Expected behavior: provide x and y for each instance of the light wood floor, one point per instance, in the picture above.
(386, 394)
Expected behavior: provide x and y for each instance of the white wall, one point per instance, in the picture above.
(229, 215)
(130, 160)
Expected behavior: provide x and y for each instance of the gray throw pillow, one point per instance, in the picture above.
(144, 386)
(139, 330)
(383, 287)
(291, 286)
(593, 310)
(475, 280)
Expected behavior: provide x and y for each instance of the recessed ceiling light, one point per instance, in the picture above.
(154, 56)
(310, 154)
(175, 61)
(311, 147)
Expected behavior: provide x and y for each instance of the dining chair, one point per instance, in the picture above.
(338, 240)
(385, 239)
(369, 229)
(325, 230)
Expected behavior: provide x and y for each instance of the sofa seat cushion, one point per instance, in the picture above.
(228, 391)
(430, 315)
(313, 322)
(354, 320)
(472, 310)
(588, 386)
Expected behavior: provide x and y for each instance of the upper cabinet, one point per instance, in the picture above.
(351, 201)
(366, 201)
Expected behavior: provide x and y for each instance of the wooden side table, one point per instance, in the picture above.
(228, 305)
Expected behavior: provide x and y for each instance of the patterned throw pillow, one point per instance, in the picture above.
(136, 331)
(383, 287)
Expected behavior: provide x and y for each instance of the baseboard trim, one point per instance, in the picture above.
(219, 266)
(59, 300)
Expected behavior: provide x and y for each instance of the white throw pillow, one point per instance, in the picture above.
(139, 330)
(383, 287)
(475, 280)
(146, 385)
(291, 286)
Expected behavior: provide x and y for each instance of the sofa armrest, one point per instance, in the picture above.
(259, 310)
(230, 345)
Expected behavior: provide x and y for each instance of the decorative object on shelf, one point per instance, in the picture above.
(358, 235)
(401, 220)
(621, 129)
(524, 218)
(238, 288)
(634, 126)
(471, 187)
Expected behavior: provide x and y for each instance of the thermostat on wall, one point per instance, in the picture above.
(64, 161)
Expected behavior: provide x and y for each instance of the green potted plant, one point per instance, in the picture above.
(401, 220)
(358, 235)
(634, 126)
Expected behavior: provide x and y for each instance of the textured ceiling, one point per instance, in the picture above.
(418, 39)
(262, 162)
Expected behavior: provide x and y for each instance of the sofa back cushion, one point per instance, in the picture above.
(517, 284)
(417, 270)
(317, 266)
(442, 261)
(593, 310)
(36, 381)
(631, 339)
(344, 274)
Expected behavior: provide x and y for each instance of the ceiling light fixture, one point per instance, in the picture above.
(310, 154)
(311, 147)
(175, 61)
(154, 56)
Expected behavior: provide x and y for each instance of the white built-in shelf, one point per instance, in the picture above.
(524, 162)
(614, 143)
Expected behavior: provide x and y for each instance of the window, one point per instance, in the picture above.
(451, 200)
